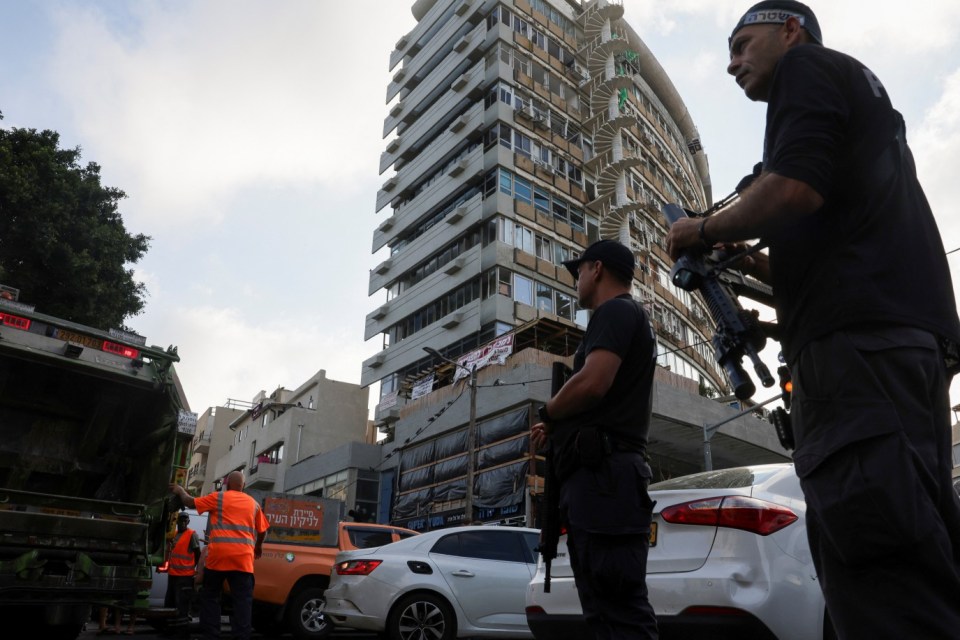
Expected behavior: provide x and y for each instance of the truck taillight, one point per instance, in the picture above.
(120, 350)
(16, 322)
(357, 567)
(163, 568)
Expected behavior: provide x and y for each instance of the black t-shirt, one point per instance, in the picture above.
(872, 255)
(613, 499)
(621, 325)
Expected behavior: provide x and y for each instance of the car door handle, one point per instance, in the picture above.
(463, 573)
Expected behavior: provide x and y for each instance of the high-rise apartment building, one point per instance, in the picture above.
(521, 131)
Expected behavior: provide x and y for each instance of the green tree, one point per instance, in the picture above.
(62, 239)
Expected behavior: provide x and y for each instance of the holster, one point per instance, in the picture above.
(593, 445)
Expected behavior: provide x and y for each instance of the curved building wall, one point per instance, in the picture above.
(518, 132)
(524, 131)
(647, 153)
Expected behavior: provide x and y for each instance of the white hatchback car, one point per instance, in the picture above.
(444, 584)
(729, 559)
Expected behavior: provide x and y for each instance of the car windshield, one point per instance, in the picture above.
(719, 479)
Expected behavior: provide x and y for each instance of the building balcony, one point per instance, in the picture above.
(263, 475)
(201, 443)
(195, 477)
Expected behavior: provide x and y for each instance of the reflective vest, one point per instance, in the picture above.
(235, 520)
(182, 559)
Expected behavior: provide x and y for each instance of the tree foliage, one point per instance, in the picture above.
(62, 240)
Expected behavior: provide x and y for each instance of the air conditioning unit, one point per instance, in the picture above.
(584, 74)
(376, 361)
(544, 166)
(383, 267)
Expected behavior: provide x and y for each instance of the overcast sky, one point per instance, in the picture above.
(247, 136)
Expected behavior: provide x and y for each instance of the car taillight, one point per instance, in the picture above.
(732, 512)
(357, 567)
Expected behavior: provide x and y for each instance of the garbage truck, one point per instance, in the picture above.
(94, 427)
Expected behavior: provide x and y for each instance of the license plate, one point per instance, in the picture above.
(653, 534)
(79, 338)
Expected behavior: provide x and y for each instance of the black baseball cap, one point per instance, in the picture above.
(183, 516)
(611, 253)
(777, 12)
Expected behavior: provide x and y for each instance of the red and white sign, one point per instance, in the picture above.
(494, 352)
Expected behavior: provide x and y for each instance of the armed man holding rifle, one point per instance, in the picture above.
(596, 425)
(867, 322)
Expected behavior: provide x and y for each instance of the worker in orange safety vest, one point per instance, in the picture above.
(183, 560)
(237, 527)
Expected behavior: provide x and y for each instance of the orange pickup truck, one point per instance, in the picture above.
(305, 535)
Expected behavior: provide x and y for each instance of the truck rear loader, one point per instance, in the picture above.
(93, 431)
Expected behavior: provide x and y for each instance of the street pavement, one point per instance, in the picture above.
(146, 632)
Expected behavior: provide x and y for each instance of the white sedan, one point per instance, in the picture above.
(728, 558)
(449, 583)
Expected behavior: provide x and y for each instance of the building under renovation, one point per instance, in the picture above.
(517, 133)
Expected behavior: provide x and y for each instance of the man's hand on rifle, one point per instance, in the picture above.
(756, 264)
(684, 233)
(538, 434)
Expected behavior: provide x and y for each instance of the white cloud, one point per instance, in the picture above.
(211, 97)
(907, 29)
(936, 146)
(226, 353)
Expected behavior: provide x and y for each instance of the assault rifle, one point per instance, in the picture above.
(550, 518)
(737, 332)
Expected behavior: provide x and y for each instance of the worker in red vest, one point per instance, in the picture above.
(237, 528)
(182, 561)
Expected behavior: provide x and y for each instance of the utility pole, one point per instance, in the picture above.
(471, 431)
(709, 430)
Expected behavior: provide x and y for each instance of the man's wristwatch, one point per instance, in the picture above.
(702, 232)
(542, 413)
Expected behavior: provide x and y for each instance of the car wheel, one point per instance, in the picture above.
(305, 617)
(422, 616)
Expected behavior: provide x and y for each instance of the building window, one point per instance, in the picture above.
(564, 305)
(523, 289)
(504, 288)
(523, 239)
(521, 189)
(541, 200)
(544, 298)
(544, 251)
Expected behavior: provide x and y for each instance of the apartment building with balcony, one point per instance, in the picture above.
(518, 132)
(210, 443)
(278, 430)
(521, 132)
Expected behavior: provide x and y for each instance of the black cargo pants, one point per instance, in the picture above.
(871, 416)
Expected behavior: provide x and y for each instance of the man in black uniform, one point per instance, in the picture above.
(868, 325)
(597, 426)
